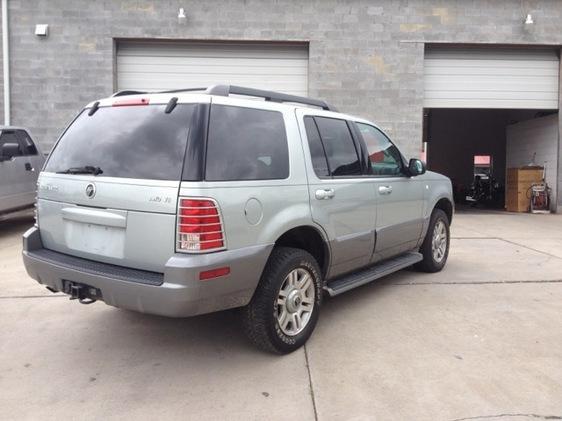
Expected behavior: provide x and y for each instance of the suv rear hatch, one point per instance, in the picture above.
(109, 190)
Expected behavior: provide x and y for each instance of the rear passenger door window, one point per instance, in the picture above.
(339, 146)
(384, 157)
(317, 152)
(246, 144)
(26, 143)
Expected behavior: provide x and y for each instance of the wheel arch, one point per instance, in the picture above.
(309, 239)
(446, 206)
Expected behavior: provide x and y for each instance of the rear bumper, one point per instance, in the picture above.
(177, 292)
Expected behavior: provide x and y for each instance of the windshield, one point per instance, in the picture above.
(131, 142)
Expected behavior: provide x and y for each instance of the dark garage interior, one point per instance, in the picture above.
(456, 136)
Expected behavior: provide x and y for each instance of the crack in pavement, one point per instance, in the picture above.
(530, 248)
(475, 238)
(485, 236)
(509, 242)
(538, 281)
(530, 415)
(33, 296)
(310, 383)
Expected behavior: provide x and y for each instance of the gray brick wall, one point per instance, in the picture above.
(366, 57)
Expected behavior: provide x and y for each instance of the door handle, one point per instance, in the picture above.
(385, 189)
(325, 194)
(28, 167)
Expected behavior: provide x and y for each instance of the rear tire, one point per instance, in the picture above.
(286, 304)
(435, 246)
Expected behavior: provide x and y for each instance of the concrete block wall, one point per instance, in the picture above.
(366, 57)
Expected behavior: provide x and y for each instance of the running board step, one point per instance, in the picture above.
(364, 276)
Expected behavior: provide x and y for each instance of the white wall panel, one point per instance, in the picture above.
(537, 136)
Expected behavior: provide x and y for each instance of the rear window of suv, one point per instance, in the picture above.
(131, 142)
(246, 144)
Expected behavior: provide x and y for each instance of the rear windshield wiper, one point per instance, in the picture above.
(87, 169)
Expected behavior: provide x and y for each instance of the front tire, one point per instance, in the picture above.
(285, 307)
(435, 246)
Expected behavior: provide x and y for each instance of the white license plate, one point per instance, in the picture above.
(96, 239)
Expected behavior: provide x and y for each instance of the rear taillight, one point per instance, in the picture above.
(200, 226)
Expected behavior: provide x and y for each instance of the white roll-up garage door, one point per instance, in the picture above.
(491, 78)
(166, 65)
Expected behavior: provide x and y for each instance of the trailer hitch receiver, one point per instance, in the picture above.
(85, 294)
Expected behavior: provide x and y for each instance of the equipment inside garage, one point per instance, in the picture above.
(490, 112)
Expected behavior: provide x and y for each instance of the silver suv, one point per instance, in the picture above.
(20, 163)
(193, 201)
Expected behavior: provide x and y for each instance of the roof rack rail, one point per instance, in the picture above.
(173, 91)
(127, 92)
(134, 92)
(226, 90)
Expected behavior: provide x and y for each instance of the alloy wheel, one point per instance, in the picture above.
(295, 301)
(439, 241)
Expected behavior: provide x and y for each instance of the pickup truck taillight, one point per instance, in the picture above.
(200, 227)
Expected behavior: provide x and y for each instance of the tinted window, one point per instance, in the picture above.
(339, 146)
(317, 154)
(26, 143)
(131, 141)
(10, 137)
(384, 157)
(246, 144)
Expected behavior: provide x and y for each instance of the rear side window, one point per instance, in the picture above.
(317, 153)
(246, 144)
(132, 142)
(340, 148)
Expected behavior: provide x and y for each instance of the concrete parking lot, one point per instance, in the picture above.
(479, 341)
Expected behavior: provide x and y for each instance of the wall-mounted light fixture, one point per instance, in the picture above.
(182, 18)
(529, 19)
(42, 30)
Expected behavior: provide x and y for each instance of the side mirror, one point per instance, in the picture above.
(9, 150)
(416, 167)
